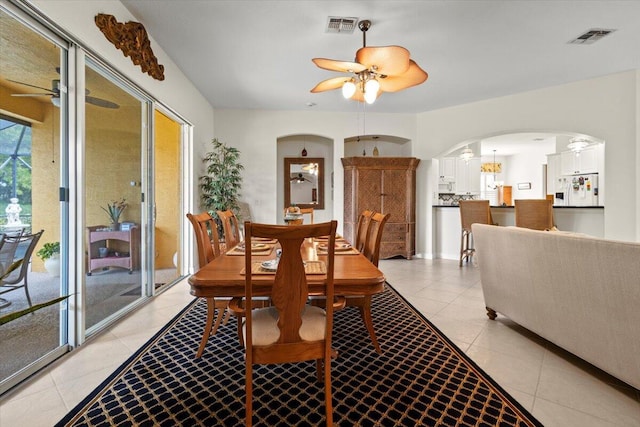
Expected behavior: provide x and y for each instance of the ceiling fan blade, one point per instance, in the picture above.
(34, 86)
(32, 94)
(412, 77)
(101, 102)
(335, 65)
(330, 84)
(388, 60)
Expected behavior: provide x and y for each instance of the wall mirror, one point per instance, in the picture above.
(304, 182)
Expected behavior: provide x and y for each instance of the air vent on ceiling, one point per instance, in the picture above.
(591, 36)
(337, 24)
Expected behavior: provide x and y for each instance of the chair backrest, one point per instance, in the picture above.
(292, 209)
(289, 292)
(207, 240)
(371, 249)
(536, 214)
(23, 247)
(307, 211)
(474, 212)
(230, 227)
(361, 230)
(8, 245)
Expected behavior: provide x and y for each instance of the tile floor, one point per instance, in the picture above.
(559, 389)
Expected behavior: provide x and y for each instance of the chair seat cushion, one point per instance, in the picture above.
(265, 328)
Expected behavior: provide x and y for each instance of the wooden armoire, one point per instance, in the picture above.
(386, 185)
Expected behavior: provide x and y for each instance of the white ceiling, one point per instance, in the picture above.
(257, 54)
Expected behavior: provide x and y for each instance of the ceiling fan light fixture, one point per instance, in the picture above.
(348, 89)
(55, 100)
(371, 88)
(577, 145)
(467, 154)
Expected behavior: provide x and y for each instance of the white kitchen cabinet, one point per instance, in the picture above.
(586, 161)
(467, 176)
(447, 170)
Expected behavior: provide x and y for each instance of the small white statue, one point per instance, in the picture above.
(13, 212)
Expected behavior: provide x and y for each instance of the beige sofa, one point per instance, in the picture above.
(579, 292)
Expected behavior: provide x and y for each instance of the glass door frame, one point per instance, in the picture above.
(66, 133)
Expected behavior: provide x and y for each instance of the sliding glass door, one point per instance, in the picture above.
(114, 145)
(32, 170)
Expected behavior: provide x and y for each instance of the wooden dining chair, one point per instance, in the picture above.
(290, 330)
(307, 211)
(230, 227)
(536, 214)
(371, 250)
(206, 232)
(471, 212)
(361, 230)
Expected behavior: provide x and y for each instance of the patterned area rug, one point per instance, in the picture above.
(421, 379)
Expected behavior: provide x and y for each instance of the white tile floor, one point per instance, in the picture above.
(559, 389)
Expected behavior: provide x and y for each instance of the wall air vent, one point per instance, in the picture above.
(344, 25)
(591, 36)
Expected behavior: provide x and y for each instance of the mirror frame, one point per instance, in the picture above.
(288, 161)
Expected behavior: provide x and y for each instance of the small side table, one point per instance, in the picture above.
(101, 236)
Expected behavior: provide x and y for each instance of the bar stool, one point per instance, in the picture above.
(536, 214)
(472, 212)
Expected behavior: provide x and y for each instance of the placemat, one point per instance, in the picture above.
(310, 267)
(352, 251)
(264, 240)
(239, 251)
(339, 238)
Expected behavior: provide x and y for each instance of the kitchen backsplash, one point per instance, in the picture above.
(453, 199)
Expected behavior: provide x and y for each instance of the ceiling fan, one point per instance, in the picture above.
(376, 69)
(54, 93)
(299, 179)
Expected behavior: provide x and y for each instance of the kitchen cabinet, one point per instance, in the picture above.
(553, 173)
(447, 171)
(467, 176)
(572, 163)
(121, 248)
(386, 185)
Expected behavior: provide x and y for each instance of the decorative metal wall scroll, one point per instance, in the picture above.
(132, 39)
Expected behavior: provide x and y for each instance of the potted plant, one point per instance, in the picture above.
(220, 188)
(50, 254)
(114, 210)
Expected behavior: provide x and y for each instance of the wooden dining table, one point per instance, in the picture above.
(354, 274)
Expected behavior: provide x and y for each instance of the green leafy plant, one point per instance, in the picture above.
(17, 314)
(220, 187)
(48, 250)
(115, 209)
(14, 266)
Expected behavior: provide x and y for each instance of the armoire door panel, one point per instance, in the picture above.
(369, 190)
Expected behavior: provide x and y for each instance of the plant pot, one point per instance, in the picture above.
(52, 265)
(115, 226)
